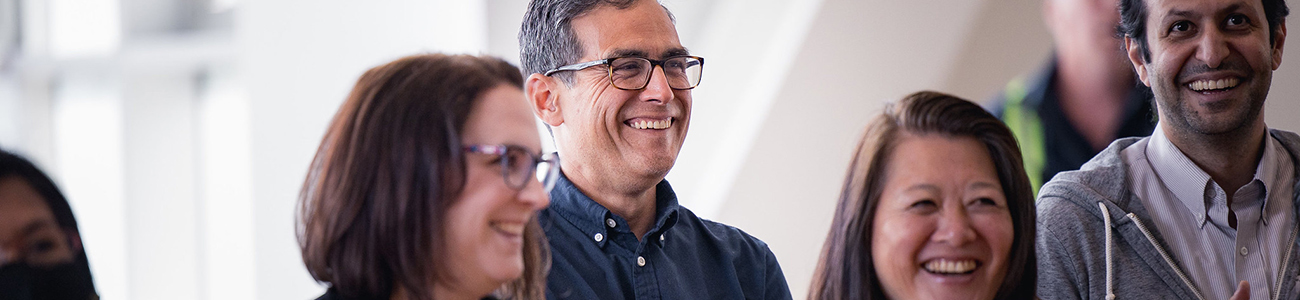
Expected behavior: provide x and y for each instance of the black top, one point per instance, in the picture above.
(332, 294)
(595, 255)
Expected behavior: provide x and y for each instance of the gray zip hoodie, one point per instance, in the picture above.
(1095, 239)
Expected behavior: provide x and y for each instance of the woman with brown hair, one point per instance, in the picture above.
(425, 187)
(936, 206)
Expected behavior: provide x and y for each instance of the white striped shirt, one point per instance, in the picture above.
(1190, 211)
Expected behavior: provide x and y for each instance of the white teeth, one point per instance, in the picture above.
(660, 124)
(511, 228)
(943, 266)
(1204, 85)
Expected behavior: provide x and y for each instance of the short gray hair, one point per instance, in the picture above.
(546, 39)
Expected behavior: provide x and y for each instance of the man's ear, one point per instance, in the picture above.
(542, 94)
(1279, 39)
(1135, 57)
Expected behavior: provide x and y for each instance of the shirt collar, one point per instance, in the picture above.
(591, 217)
(1190, 184)
(1271, 173)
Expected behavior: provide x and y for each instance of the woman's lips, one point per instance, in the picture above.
(509, 228)
(951, 266)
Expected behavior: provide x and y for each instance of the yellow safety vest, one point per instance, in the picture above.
(1028, 129)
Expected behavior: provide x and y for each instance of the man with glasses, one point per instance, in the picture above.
(613, 82)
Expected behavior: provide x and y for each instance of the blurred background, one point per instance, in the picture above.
(181, 130)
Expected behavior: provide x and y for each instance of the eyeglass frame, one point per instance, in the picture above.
(553, 158)
(609, 69)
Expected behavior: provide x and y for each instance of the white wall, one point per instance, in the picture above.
(299, 60)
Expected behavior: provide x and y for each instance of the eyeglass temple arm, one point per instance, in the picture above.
(575, 67)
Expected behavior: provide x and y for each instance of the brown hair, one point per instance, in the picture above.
(372, 208)
(845, 269)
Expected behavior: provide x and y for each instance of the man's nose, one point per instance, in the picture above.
(1212, 48)
(657, 89)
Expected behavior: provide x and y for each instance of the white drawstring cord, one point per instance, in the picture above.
(1110, 274)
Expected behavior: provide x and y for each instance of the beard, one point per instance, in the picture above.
(1229, 116)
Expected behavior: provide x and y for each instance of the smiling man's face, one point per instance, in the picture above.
(623, 135)
(1211, 63)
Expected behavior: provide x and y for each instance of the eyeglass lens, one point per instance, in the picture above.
(517, 165)
(634, 72)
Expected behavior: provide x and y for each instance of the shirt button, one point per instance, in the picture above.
(611, 223)
(600, 237)
(640, 261)
(1243, 251)
(661, 237)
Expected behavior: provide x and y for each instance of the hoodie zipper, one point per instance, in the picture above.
(1286, 262)
(1165, 255)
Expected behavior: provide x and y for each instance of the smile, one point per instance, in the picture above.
(1213, 85)
(944, 266)
(650, 123)
(508, 228)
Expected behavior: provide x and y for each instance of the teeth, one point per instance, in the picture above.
(660, 124)
(943, 266)
(511, 228)
(1204, 85)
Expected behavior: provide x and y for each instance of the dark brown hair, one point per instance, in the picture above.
(372, 208)
(845, 269)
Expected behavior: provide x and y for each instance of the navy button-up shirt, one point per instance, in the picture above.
(595, 255)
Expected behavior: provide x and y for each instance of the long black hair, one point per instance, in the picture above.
(74, 277)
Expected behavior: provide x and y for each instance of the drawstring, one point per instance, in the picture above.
(1110, 274)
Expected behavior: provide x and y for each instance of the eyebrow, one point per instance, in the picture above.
(935, 189)
(676, 52)
(639, 53)
(983, 185)
(35, 226)
(1182, 13)
(924, 186)
(1189, 14)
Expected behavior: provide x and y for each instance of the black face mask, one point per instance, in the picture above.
(67, 281)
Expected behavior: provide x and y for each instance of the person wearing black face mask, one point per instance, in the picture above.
(41, 256)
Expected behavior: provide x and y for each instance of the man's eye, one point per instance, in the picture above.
(674, 64)
(1180, 26)
(627, 67)
(1237, 20)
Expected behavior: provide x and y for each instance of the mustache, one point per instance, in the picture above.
(1234, 64)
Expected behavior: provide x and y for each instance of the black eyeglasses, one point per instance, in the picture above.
(517, 164)
(633, 73)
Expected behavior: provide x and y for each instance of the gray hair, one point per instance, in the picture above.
(546, 39)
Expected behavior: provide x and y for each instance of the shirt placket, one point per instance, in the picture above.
(643, 275)
(1249, 259)
(644, 284)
